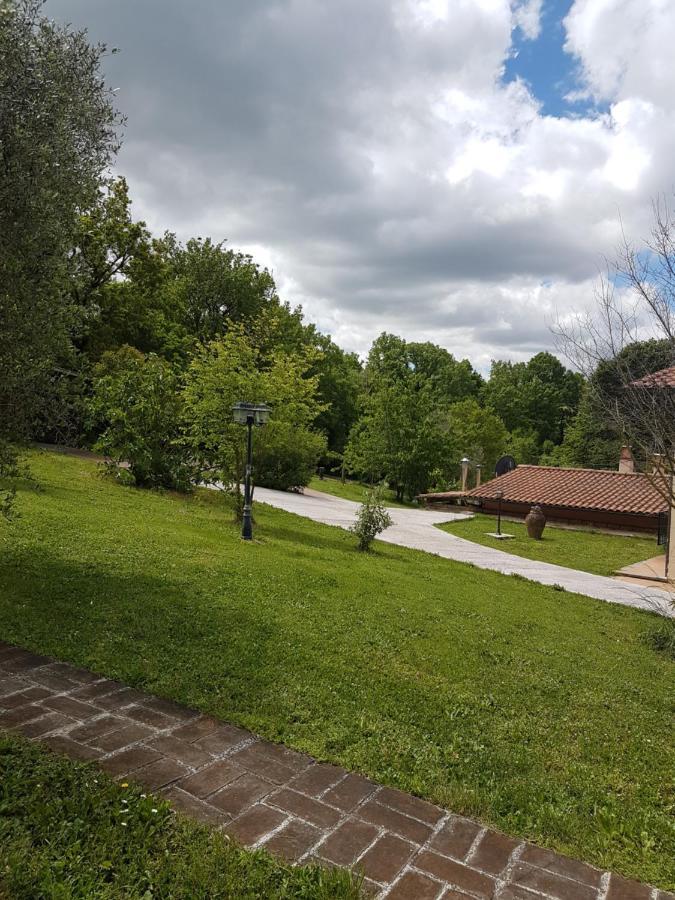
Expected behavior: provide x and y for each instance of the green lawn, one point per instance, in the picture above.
(68, 831)
(352, 490)
(590, 551)
(538, 711)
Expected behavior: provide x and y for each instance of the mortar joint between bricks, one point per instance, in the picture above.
(270, 834)
(332, 787)
(475, 844)
(505, 877)
(604, 885)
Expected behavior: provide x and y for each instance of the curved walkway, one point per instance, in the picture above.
(415, 528)
(268, 796)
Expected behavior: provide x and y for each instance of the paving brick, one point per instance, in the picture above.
(347, 842)
(196, 809)
(62, 744)
(76, 709)
(96, 728)
(293, 840)
(23, 660)
(97, 689)
(50, 722)
(56, 683)
(561, 865)
(452, 894)
(147, 716)
(410, 806)
(196, 729)
(456, 837)
(459, 875)
(119, 699)
(116, 740)
(221, 740)
(255, 823)
(211, 779)
(306, 808)
(664, 895)
(160, 773)
(181, 750)
(21, 714)
(394, 821)
(292, 759)
(127, 761)
(171, 708)
(349, 792)
(255, 759)
(23, 697)
(492, 852)
(386, 858)
(243, 792)
(551, 884)
(11, 684)
(81, 676)
(317, 779)
(622, 889)
(415, 886)
(509, 892)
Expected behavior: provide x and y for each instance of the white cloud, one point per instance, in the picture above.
(368, 152)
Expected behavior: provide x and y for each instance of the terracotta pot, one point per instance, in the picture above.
(535, 522)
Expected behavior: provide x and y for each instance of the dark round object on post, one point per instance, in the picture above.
(535, 522)
(504, 465)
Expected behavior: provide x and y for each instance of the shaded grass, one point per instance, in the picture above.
(589, 551)
(354, 490)
(68, 831)
(540, 712)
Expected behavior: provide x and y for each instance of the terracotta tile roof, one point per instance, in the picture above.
(662, 378)
(599, 489)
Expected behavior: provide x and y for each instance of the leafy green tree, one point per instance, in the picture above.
(541, 393)
(475, 432)
(137, 402)
(214, 286)
(57, 137)
(230, 370)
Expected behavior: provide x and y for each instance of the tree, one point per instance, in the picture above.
(214, 286)
(540, 393)
(137, 402)
(474, 432)
(230, 370)
(57, 137)
(635, 300)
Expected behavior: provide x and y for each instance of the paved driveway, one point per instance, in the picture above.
(414, 528)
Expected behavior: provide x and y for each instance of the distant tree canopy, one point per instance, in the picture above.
(540, 396)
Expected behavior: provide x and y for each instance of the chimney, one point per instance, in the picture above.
(479, 469)
(626, 461)
(465, 472)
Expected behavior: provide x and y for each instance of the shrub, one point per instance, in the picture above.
(137, 402)
(371, 519)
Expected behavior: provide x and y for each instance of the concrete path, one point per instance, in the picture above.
(267, 795)
(414, 528)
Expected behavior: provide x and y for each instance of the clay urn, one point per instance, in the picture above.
(535, 521)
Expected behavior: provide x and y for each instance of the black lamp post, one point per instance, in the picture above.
(499, 495)
(249, 414)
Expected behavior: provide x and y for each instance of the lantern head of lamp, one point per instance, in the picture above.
(249, 414)
(258, 413)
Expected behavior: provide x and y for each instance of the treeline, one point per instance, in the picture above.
(138, 345)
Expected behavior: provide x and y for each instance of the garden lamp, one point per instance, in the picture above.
(249, 414)
(499, 495)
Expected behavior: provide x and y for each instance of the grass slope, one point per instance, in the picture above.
(68, 831)
(590, 551)
(541, 712)
(353, 490)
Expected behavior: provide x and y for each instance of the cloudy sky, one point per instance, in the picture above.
(449, 170)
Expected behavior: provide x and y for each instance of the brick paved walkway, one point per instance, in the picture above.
(267, 795)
